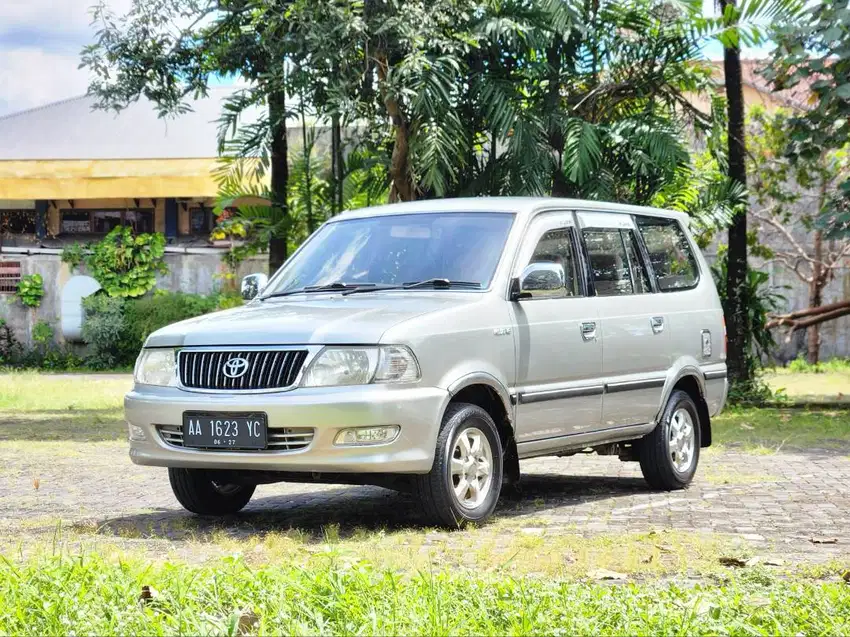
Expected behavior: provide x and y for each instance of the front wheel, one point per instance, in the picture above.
(669, 455)
(466, 478)
(199, 493)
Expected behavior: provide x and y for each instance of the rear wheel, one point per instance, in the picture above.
(466, 478)
(669, 455)
(199, 493)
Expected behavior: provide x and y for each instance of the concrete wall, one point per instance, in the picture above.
(198, 271)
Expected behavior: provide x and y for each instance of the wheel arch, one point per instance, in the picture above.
(691, 381)
(490, 394)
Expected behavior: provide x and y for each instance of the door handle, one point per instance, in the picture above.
(657, 323)
(588, 331)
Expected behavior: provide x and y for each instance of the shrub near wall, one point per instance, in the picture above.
(116, 328)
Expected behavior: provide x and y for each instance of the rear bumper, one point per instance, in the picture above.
(417, 410)
(716, 387)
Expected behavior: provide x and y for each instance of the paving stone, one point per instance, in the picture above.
(784, 498)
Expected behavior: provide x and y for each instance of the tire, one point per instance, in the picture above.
(444, 500)
(665, 464)
(198, 493)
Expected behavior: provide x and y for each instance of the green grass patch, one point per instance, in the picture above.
(54, 407)
(826, 386)
(89, 594)
(755, 428)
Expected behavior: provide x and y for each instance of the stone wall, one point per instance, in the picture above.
(198, 271)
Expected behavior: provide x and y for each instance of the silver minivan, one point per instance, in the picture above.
(432, 346)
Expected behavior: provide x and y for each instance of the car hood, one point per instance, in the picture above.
(303, 320)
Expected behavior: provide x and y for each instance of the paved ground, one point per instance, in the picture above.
(782, 500)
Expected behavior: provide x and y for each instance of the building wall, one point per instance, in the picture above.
(192, 271)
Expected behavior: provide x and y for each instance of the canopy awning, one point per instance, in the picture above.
(107, 178)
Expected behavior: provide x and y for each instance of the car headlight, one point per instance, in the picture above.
(156, 367)
(362, 366)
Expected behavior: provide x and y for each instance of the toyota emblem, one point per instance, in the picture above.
(235, 367)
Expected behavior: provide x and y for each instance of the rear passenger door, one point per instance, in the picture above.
(635, 351)
(559, 353)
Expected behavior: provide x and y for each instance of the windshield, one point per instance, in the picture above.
(399, 249)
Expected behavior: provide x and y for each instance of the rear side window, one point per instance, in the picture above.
(614, 262)
(670, 253)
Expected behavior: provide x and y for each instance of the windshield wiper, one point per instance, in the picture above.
(338, 286)
(442, 284)
(437, 284)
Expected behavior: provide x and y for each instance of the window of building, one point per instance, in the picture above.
(614, 262)
(200, 221)
(10, 276)
(103, 221)
(556, 247)
(17, 221)
(670, 253)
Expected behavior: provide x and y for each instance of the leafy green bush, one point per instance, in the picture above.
(10, 347)
(125, 264)
(31, 289)
(74, 255)
(104, 331)
(762, 301)
(150, 313)
(801, 366)
(115, 328)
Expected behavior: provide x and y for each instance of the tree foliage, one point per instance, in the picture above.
(125, 264)
(814, 52)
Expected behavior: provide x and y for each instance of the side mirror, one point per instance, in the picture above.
(542, 280)
(253, 284)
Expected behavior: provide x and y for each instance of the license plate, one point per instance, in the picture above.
(209, 430)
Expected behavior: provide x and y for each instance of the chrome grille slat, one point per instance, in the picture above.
(268, 370)
(279, 439)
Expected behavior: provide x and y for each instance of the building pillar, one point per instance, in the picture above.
(171, 218)
(41, 219)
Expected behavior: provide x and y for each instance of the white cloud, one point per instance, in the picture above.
(30, 77)
(63, 16)
(40, 43)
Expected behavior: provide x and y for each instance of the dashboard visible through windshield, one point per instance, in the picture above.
(398, 250)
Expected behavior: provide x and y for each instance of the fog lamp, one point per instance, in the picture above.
(136, 432)
(367, 435)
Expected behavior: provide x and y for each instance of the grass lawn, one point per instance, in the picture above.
(91, 594)
(828, 386)
(60, 407)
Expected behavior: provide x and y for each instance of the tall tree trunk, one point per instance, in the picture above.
(279, 180)
(553, 99)
(308, 177)
(337, 165)
(401, 185)
(737, 298)
(816, 298)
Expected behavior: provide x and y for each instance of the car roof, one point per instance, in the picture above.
(521, 206)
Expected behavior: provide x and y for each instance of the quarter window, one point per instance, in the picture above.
(615, 262)
(670, 253)
(554, 248)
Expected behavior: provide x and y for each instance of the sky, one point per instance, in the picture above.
(40, 43)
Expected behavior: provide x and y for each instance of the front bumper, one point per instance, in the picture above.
(417, 410)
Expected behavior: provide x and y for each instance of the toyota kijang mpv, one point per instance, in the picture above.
(432, 346)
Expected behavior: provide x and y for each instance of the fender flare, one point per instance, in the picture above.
(483, 378)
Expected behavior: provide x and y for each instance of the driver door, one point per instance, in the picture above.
(558, 336)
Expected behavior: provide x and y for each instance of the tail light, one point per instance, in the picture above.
(725, 339)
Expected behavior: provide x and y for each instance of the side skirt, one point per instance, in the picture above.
(551, 446)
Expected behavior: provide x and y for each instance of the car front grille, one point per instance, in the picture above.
(279, 439)
(248, 370)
